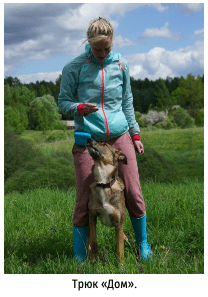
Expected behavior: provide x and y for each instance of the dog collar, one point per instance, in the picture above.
(108, 185)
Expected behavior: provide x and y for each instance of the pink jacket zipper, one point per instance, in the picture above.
(102, 100)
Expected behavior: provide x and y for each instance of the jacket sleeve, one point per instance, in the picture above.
(68, 89)
(127, 104)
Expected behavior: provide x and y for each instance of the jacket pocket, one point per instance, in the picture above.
(117, 123)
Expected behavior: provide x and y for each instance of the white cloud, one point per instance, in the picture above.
(37, 31)
(79, 18)
(41, 48)
(154, 64)
(120, 42)
(163, 32)
(161, 63)
(54, 29)
(47, 76)
(198, 34)
(190, 8)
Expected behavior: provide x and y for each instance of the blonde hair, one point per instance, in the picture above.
(99, 29)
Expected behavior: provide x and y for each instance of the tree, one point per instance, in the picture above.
(43, 113)
(8, 96)
(17, 100)
(15, 119)
(135, 98)
(190, 93)
(23, 96)
(161, 94)
(12, 82)
(145, 99)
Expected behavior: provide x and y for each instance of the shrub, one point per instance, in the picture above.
(58, 171)
(167, 125)
(137, 115)
(46, 172)
(138, 118)
(56, 136)
(43, 113)
(153, 117)
(182, 118)
(153, 166)
(199, 117)
(17, 152)
(60, 126)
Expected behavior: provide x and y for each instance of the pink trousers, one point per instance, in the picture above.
(129, 173)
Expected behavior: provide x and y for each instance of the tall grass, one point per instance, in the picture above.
(38, 233)
(184, 147)
(38, 222)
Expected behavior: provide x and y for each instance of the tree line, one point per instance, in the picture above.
(34, 105)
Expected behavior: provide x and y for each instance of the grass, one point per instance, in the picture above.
(185, 147)
(38, 233)
(38, 224)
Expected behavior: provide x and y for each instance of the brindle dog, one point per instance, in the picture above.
(107, 194)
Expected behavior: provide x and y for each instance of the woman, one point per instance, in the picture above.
(99, 80)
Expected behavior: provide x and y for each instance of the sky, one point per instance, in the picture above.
(159, 40)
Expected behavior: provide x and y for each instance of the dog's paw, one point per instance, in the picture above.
(93, 258)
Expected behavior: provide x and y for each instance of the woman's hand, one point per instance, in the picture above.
(90, 108)
(138, 147)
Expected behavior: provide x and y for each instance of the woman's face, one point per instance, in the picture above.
(101, 49)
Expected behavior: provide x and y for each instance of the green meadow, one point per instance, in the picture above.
(38, 216)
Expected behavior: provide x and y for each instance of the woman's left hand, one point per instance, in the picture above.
(138, 147)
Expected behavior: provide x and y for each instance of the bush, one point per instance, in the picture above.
(153, 166)
(153, 117)
(167, 125)
(17, 152)
(43, 113)
(182, 118)
(60, 126)
(25, 168)
(56, 136)
(53, 172)
(138, 118)
(199, 117)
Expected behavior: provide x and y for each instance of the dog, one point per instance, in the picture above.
(106, 199)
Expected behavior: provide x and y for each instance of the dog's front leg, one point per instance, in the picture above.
(92, 237)
(120, 241)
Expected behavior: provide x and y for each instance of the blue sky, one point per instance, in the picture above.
(157, 39)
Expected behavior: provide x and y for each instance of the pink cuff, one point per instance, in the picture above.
(80, 109)
(136, 137)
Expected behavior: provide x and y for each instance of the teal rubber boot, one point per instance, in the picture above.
(80, 235)
(140, 230)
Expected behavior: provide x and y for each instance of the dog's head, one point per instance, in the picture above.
(101, 151)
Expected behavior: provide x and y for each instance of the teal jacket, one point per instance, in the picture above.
(107, 84)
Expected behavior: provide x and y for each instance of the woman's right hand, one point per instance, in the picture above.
(90, 108)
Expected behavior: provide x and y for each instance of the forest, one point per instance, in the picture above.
(34, 106)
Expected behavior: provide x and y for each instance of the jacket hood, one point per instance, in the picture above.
(112, 57)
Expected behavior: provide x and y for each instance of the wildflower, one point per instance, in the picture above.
(162, 247)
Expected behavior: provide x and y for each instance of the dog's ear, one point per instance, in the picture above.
(122, 158)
